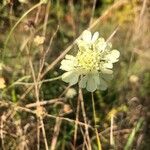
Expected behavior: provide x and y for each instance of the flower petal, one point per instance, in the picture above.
(83, 82)
(87, 36)
(82, 45)
(108, 65)
(101, 45)
(106, 71)
(70, 77)
(113, 56)
(103, 85)
(115, 53)
(91, 84)
(107, 77)
(70, 57)
(96, 78)
(67, 65)
(95, 37)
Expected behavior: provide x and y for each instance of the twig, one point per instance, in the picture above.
(1, 131)
(141, 14)
(40, 82)
(85, 141)
(111, 131)
(93, 10)
(46, 17)
(77, 119)
(44, 133)
(85, 120)
(114, 32)
(96, 131)
(41, 103)
(19, 108)
(37, 14)
(56, 133)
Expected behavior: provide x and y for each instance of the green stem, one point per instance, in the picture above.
(94, 114)
(18, 82)
(131, 137)
(40, 82)
(14, 83)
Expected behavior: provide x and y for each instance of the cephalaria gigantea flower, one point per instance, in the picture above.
(92, 66)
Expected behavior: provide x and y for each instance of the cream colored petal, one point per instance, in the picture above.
(95, 37)
(96, 78)
(67, 65)
(101, 45)
(91, 84)
(70, 57)
(65, 61)
(87, 36)
(115, 53)
(74, 79)
(106, 71)
(109, 46)
(66, 77)
(82, 45)
(23, 1)
(66, 68)
(83, 82)
(113, 56)
(107, 77)
(103, 84)
(108, 65)
(70, 77)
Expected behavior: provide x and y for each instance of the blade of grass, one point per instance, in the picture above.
(133, 133)
(94, 115)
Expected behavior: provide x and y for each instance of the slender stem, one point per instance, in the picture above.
(38, 134)
(77, 119)
(93, 10)
(44, 133)
(94, 115)
(111, 130)
(85, 120)
(57, 129)
(40, 82)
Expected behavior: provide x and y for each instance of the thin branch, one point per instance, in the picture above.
(56, 133)
(41, 103)
(19, 108)
(93, 10)
(85, 120)
(77, 119)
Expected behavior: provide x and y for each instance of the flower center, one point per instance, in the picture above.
(88, 60)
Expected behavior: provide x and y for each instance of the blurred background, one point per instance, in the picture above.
(34, 37)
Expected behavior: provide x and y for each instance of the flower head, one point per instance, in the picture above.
(92, 66)
(38, 40)
(2, 83)
(71, 92)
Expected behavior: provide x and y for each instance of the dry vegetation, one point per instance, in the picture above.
(38, 111)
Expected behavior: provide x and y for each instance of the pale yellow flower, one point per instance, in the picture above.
(1, 66)
(38, 40)
(2, 83)
(71, 92)
(23, 1)
(134, 79)
(92, 66)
